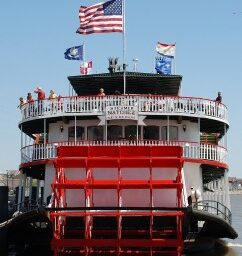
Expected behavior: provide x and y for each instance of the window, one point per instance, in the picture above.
(151, 132)
(79, 133)
(114, 132)
(173, 133)
(131, 131)
(95, 133)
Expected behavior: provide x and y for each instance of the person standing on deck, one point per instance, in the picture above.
(41, 96)
(30, 100)
(101, 92)
(53, 100)
(219, 98)
(217, 107)
(196, 198)
(22, 102)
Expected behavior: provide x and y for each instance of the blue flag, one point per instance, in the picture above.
(74, 53)
(163, 65)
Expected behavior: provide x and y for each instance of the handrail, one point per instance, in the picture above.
(146, 105)
(26, 206)
(191, 150)
(214, 207)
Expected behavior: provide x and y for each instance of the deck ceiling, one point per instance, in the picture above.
(136, 83)
(211, 173)
(37, 126)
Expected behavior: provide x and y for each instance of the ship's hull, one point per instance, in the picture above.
(31, 233)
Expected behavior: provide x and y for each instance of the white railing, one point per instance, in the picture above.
(191, 150)
(147, 105)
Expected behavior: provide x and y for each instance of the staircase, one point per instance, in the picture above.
(134, 221)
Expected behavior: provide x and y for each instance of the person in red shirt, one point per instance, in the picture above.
(40, 92)
(41, 96)
(30, 98)
(101, 92)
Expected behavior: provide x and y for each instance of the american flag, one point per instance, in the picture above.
(86, 68)
(101, 18)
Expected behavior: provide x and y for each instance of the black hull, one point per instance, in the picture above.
(30, 233)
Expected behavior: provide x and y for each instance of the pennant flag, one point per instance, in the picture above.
(74, 53)
(86, 67)
(163, 65)
(101, 18)
(166, 49)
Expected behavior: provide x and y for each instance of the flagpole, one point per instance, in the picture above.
(124, 46)
(154, 65)
(175, 61)
(83, 61)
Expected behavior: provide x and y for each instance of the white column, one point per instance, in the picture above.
(20, 189)
(75, 130)
(30, 188)
(124, 45)
(227, 189)
(137, 131)
(85, 132)
(24, 189)
(45, 155)
(168, 128)
(225, 136)
(21, 144)
(224, 190)
(37, 190)
(106, 130)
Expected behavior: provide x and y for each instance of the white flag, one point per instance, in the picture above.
(166, 49)
(86, 67)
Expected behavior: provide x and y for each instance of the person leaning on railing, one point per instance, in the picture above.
(22, 105)
(53, 100)
(30, 101)
(196, 198)
(218, 100)
(101, 92)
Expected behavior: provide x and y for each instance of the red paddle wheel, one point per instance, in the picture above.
(118, 228)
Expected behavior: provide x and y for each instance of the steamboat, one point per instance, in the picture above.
(112, 174)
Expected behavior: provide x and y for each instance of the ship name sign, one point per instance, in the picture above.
(122, 112)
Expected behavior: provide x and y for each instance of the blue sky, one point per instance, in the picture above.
(35, 34)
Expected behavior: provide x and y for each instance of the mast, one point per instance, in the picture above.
(124, 46)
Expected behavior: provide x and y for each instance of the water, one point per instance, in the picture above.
(236, 207)
(230, 247)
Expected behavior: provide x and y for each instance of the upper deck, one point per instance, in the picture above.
(147, 95)
(213, 115)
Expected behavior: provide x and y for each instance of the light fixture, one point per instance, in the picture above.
(184, 127)
(135, 64)
(61, 128)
